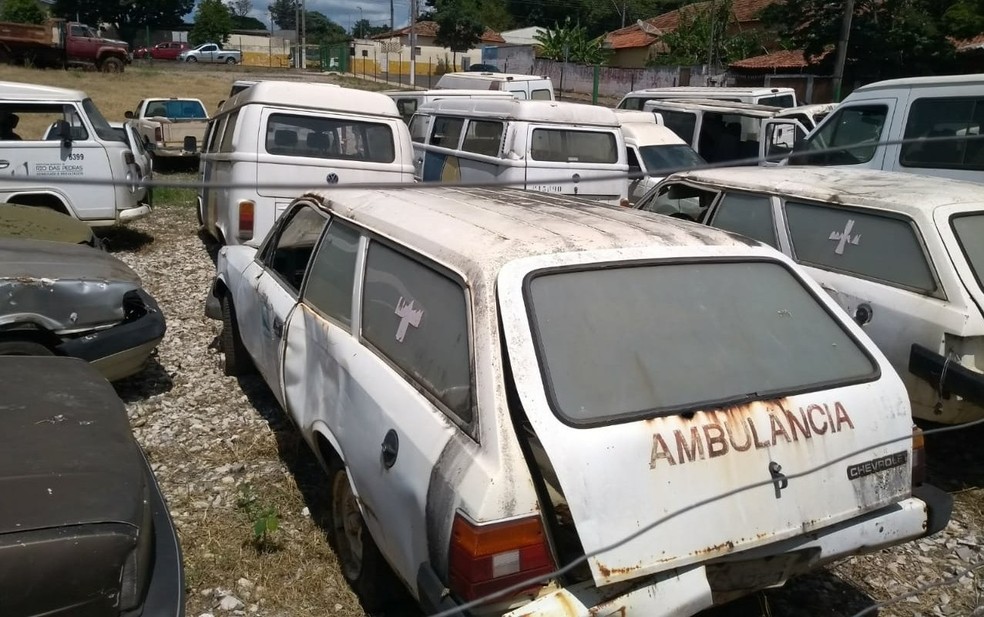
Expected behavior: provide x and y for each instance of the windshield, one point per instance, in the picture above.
(176, 109)
(969, 230)
(99, 123)
(678, 337)
(663, 160)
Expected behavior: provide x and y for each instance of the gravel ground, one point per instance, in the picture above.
(228, 460)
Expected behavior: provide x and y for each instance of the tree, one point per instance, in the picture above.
(964, 18)
(240, 22)
(889, 38)
(459, 24)
(213, 23)
(320, 29)
(22, 12)
(570, 42)
(364, 29)
(240, 8)
(284, 14)
(701, 37)
(129, 17)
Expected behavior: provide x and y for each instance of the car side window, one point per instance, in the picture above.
(287, 255)
(872, 246)
(214, 132)
(748, 215)
(446, 132)
(944, 122)
(541, 94)
(848, 137)
(679, 200)
(329, 286)
(417, 317)
(483, 137)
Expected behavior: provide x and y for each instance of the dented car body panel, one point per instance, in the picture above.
(435, 453)
(80, 301)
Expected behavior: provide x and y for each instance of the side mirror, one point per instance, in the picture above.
(63, 130)
(128, 115)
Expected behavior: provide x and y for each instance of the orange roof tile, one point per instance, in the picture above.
(430, 28)
(745, 11)
(782, 59)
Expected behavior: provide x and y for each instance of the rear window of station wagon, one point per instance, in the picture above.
(969, 229)
(751, 324)
(329, 138)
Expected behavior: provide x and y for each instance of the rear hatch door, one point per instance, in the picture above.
(662, 383)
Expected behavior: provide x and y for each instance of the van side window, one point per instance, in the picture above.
(418, 128)
(680, 122)
(570, 146)
(446, 132)
(287, 254)
(679, 200)
(329, 138)
(842, 132)
(215, 134)
(942, 118)
(519, 94)
(748, 215)
(329, 286)
(541, 94)
(881, 248)
(483, 137)
(779, 100)
(230, 129)
(406, 107)
(418, 318)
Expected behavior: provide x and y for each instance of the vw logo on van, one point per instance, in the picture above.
(332, 178)
(576, 178)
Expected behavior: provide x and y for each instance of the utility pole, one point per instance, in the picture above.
(841, 60)
(413, 43)
(392, 17)
(303, 36)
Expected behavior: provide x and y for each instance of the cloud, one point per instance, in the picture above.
(343, 12)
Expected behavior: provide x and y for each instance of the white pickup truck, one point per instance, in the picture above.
(211, 52)
(172, 127)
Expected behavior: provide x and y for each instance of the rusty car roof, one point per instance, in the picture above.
(906, 193)
(487, 227)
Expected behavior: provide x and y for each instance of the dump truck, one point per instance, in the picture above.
(60, 43)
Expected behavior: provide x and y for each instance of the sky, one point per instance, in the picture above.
(346, 12)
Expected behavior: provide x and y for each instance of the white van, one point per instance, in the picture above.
(653, 150)
(775, 97)
(549, 146)
(890, 111)
(408, 101)
(280, 132)
(49, 135)
(522, 86)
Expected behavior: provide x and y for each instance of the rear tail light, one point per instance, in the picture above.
(485, 559)
(918, 457)
(246, 208)
(158, 134)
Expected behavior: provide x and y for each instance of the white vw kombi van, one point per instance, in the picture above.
(549, 146)
(280, 133)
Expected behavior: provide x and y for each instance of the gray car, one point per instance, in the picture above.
(72, 300)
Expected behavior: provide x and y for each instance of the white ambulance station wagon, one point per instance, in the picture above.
(499, 381)
(286, 132)
(902, 253)
(52, 136)
(548, 146)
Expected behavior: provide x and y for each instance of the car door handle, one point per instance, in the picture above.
(278, 327)
(4, 164)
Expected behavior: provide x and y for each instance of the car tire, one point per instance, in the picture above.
(230, 61)
(24, 348)
(192, 59)
(359, 559)
(111, 65)
(236, 361)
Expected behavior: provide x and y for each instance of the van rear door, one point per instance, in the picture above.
(577, 160)
(697, 402)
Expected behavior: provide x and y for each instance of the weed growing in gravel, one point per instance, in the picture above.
(264, 518)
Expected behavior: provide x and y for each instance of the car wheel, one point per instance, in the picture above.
(359, 558)
(236, 360)
(111, 65)
(192, 59)
(24, 348)
(230, 60)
